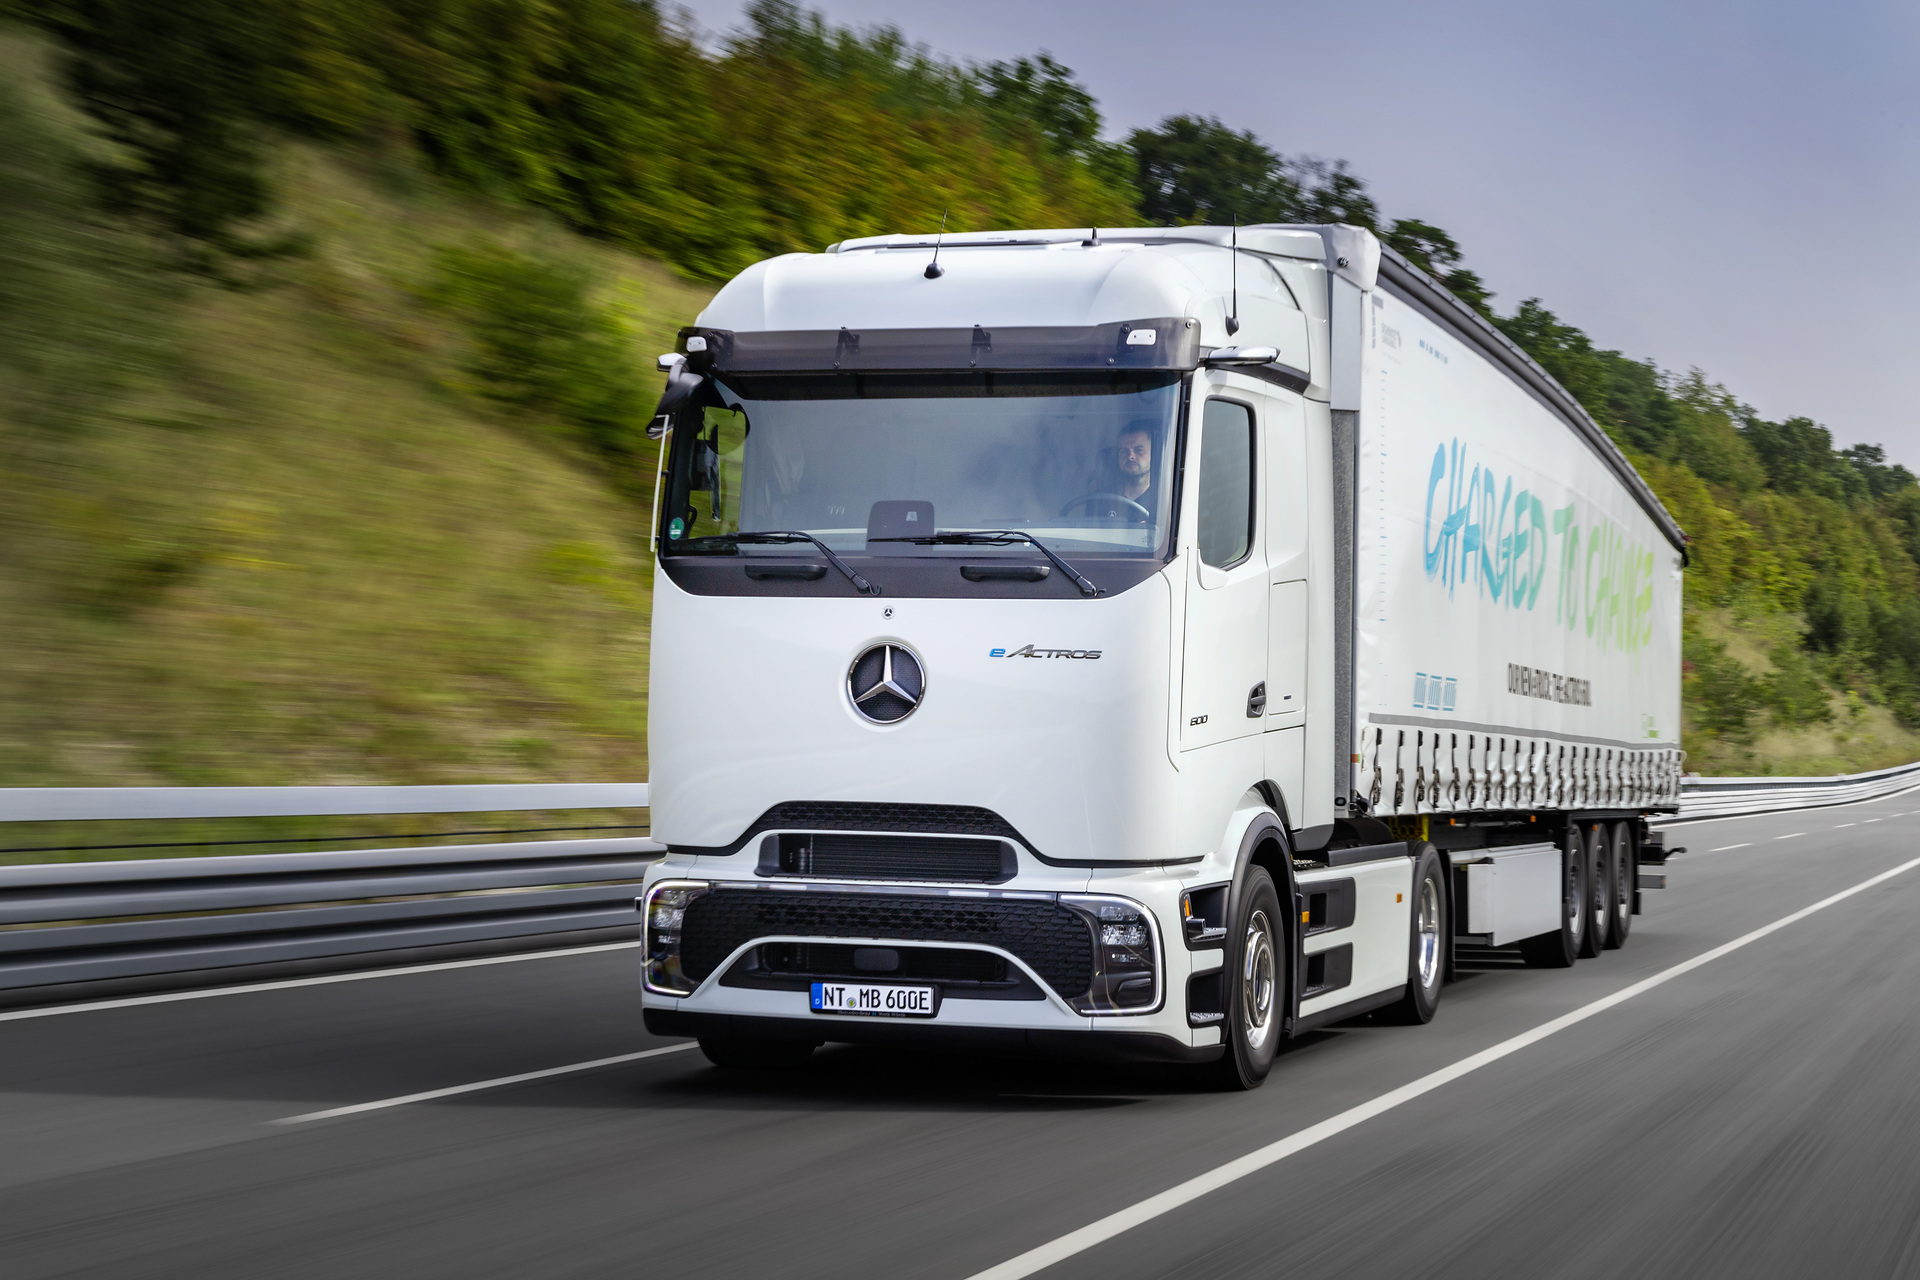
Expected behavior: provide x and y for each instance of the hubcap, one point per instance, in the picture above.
(1576, 909)
(1427, 941)
(1256, 982)
(1601, 906)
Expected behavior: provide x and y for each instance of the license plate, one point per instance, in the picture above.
(875, 1001)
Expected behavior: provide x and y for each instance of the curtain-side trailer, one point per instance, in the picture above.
(1147, 642)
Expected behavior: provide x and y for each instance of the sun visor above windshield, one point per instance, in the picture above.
(1169, 343)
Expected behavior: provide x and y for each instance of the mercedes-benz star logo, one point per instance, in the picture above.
(886, 683)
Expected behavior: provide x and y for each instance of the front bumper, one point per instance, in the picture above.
(1116, 1045)
(1041, 1018)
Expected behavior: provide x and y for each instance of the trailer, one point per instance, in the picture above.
(1151, 643)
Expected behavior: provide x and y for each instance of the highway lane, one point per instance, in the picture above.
(1756, 1116)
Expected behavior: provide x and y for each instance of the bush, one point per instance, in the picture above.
(541, 343)
(1795, 691)
(76, 313)
(1723, 694)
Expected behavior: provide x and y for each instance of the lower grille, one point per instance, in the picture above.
(1054, 941)
(917, 964)
(859, 857)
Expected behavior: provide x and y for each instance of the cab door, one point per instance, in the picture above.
(1222, 685)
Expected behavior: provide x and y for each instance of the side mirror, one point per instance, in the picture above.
(1244, 355)
(682, 382)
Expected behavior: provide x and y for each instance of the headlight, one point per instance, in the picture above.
(1126, 966)
(664, 913)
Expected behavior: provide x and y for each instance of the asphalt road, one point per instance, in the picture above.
(1755, 1116)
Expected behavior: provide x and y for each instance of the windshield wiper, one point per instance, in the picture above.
(998, 537)
(777, 536)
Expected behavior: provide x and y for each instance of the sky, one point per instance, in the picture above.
(1729, 187)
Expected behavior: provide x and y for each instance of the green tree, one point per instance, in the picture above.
(178, 89)
(1040, 93)
(1438, 254)
(1192, 169)
(1799, 457)
(541, 343)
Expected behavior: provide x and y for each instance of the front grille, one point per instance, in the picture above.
(856, 857)
(1054, 941)
(840, 815)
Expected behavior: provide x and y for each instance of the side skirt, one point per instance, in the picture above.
(1351, 1009)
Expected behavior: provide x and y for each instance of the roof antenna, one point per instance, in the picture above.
(1093, 239)
(934, 270)
(1233, 318)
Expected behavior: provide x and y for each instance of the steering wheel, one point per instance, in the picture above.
(1088, 499)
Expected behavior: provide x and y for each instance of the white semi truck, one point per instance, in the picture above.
(1150, 642)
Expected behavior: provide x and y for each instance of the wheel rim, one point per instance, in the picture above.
(1256, 982)
(1576, 909)
(1427, 940)
(1598, 894)
(1623, 874)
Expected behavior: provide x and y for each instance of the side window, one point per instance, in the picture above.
(713, 471)
(1226, 483)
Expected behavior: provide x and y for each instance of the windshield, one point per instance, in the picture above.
(1081, 461)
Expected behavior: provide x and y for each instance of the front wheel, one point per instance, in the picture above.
(1255, 977)
(1427, 950)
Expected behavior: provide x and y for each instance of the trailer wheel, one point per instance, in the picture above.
(1427, 949)
(1599, 890)
(1625, 870)
(755, 1053)
(1557, 950)
(1256, 977)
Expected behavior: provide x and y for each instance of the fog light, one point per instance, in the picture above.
(1126, 967)
(664, 911)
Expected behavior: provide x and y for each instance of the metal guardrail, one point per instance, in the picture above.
(80, 922)
(90, 921)
(90, 804)
(1732, 797)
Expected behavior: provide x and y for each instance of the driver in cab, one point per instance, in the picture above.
(1133, 459)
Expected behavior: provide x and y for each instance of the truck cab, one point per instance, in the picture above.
(995, 685)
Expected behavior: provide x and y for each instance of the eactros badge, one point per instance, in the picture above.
(886, 683)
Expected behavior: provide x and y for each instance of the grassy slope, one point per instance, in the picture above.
(1857, 735)
(307, 553)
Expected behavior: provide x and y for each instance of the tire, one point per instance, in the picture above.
(1625, 870)
(1559, 949)
(755, 1053)
(1255, 983)
(1429, 927)
(1599, 891)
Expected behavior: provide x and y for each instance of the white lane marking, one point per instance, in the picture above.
(1867, 820)
(429, 1095)
(1152, 1207)
(1847, 824)
(1723, 848)
(1793, 835)
(362, 975)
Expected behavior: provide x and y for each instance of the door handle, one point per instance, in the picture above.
(1257, 701)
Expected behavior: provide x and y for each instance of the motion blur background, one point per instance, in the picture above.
(326, 333)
